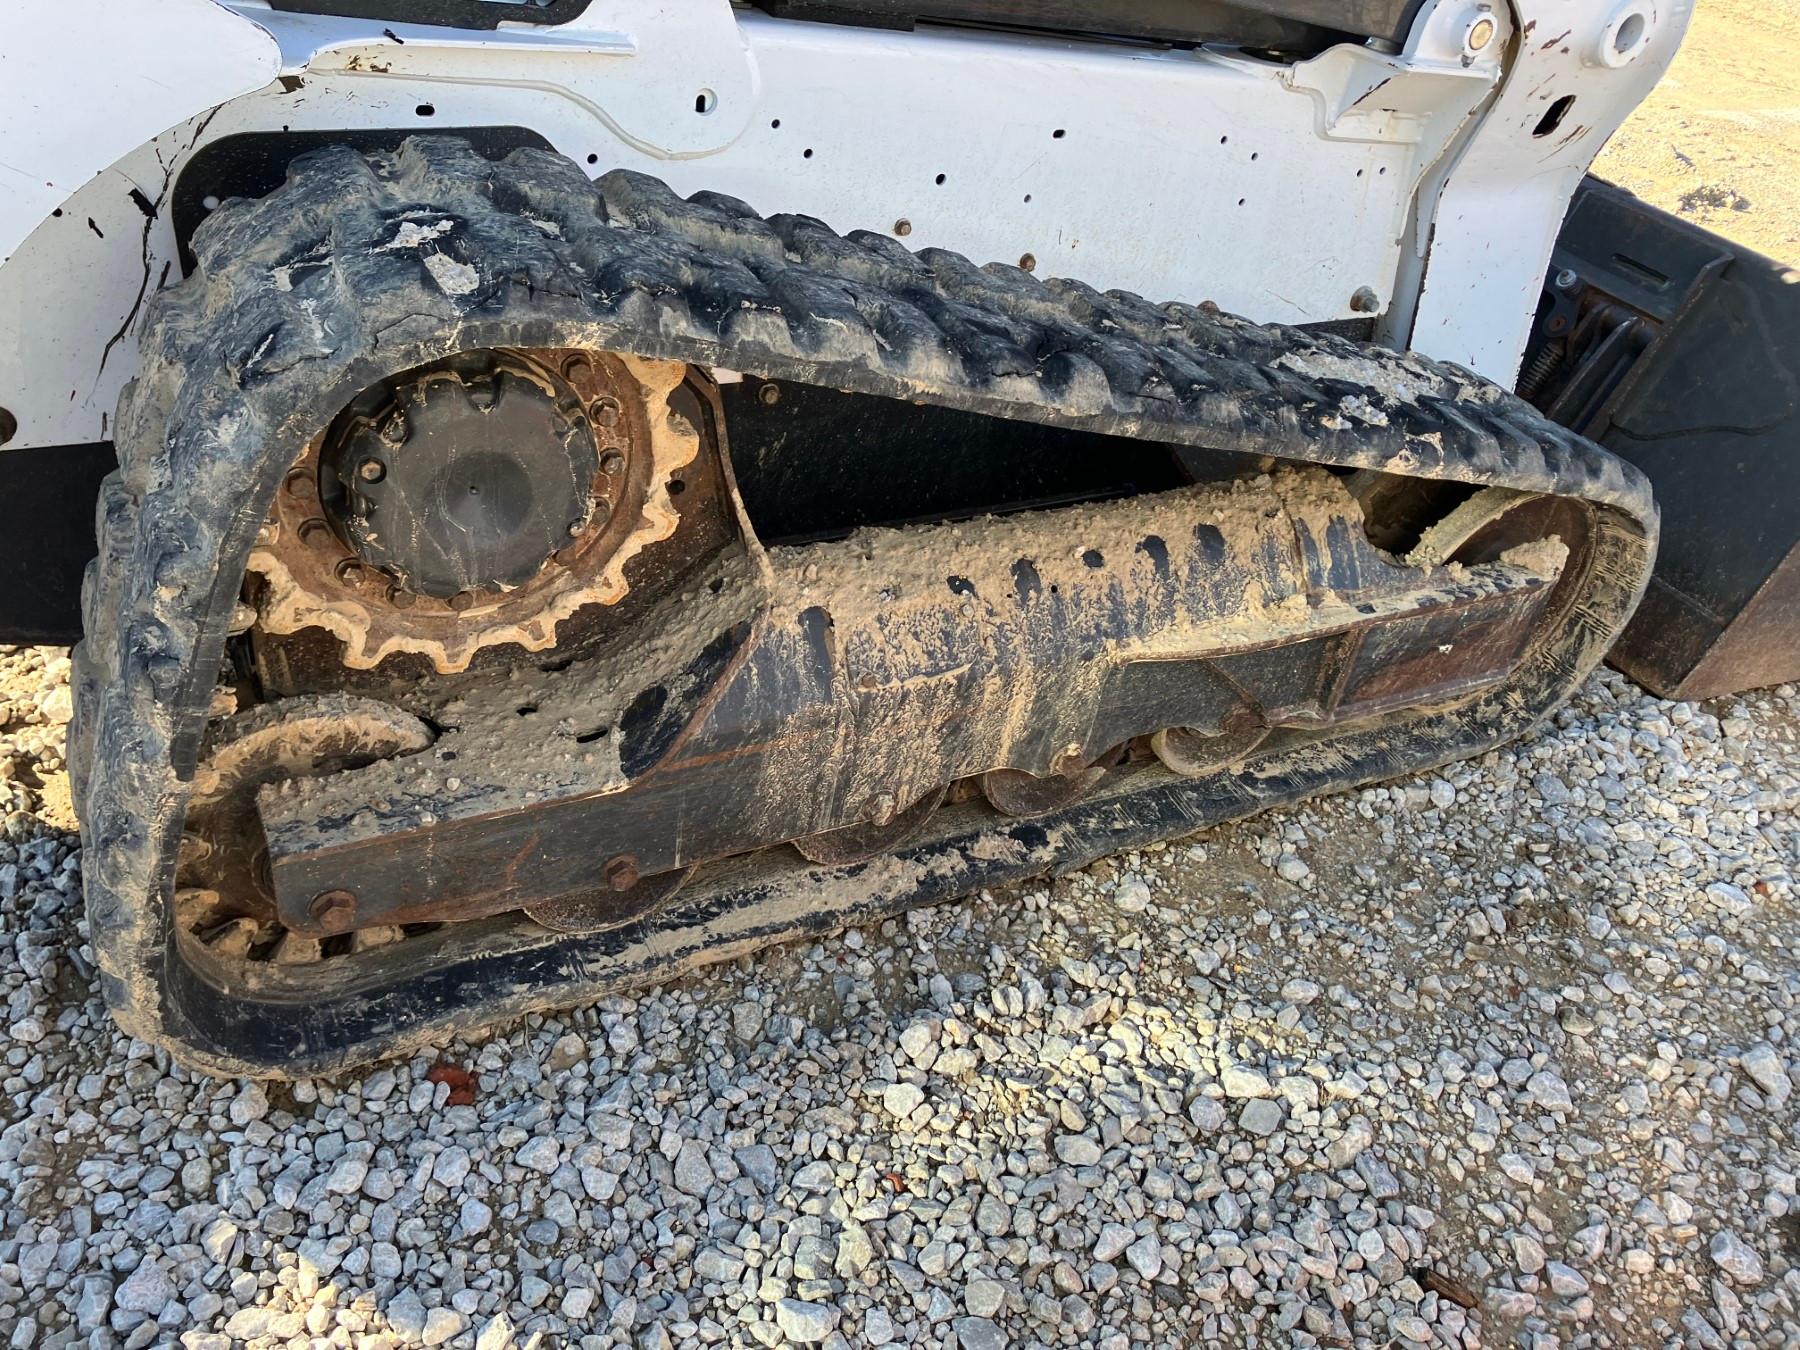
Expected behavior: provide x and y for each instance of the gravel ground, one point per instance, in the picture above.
(1504, 1055)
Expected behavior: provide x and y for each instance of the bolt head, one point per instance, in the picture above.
(371, 471)
(622, 872)
(1567, 279)
(1365, 301)
(769, 394)
(1481, 32)
(334, 910)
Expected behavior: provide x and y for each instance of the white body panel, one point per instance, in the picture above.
(1288, 193)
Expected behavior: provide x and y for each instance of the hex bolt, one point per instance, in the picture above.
(903, 227)
(1365, 301)
(575, 529)
(881, 807)
(769, 394)
(611, 461)
(1070, 759)
(577, 368)
(622, 872)
(606, 410)
(371, 471)
(349, 571)
(334, 911)
(1567, 279)
(400, 598)
(461, 601)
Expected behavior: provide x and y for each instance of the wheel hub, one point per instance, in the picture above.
(474, 503)
(467, 477)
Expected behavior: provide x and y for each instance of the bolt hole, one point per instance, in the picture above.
(526, 709)
(1630, 33)
(1027, 196)
(425, 110)
(775, 124)
(1224, 139)
(589, 737)
(676, 487)
(1058, 134)
(939, 180)
(705, 101)
(1255, 155)
(1553, 116)
(593, 159)
(806, 153)
(1242, 200)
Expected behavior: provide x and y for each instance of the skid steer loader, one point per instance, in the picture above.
(601, 487)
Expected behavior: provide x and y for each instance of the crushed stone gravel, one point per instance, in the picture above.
(1501, 1054)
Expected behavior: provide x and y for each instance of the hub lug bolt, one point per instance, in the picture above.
(334, 911)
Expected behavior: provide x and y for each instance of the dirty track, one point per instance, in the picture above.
(360, 267)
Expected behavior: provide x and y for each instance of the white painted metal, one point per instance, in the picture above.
(1489, 216)
(1276, 191)
(84, 81)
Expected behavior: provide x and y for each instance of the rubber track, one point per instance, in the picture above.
(350, 272)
